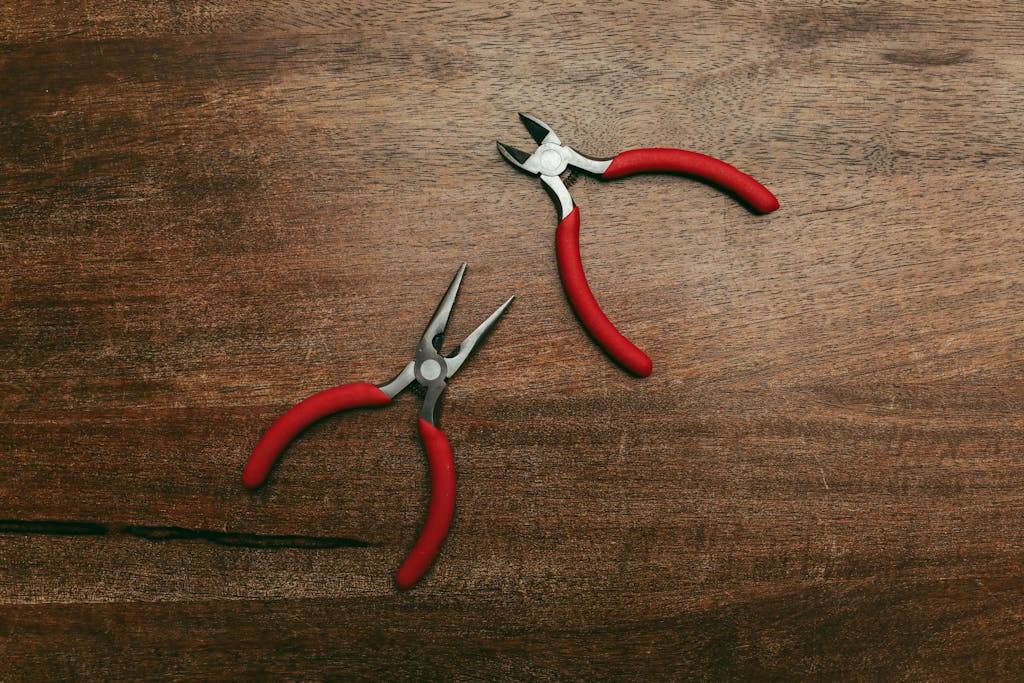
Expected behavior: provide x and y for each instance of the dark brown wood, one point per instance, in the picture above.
(210, 210)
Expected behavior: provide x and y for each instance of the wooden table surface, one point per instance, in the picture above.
(212, 209)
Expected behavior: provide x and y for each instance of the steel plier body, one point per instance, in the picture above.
(552, 158)
(429, 370)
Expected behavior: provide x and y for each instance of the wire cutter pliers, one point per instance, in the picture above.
(551, 159)
(429, 370)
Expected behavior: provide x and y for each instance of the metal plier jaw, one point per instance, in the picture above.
(552, 158)
(430, 370)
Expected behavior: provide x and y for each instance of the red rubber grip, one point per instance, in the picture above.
(291, 424)
(716, 172)
(570, 267)
(442, 507)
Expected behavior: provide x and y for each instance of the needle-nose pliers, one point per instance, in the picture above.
(429, 370)
(551, 159)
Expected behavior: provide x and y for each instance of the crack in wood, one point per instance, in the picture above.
(51, 528)
(176, 533)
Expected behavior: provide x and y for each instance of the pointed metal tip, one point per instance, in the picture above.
(469, 344)
(500, 310)
(504, 307)
(433, 335)
(457, 280)
(538, 130)
(516, 157)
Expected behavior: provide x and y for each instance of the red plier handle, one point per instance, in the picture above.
(567, 238)
(716, 172)
(365, 395)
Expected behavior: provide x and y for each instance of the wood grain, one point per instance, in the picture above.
(211, 209)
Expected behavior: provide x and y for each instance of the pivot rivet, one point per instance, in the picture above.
(430, 369)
